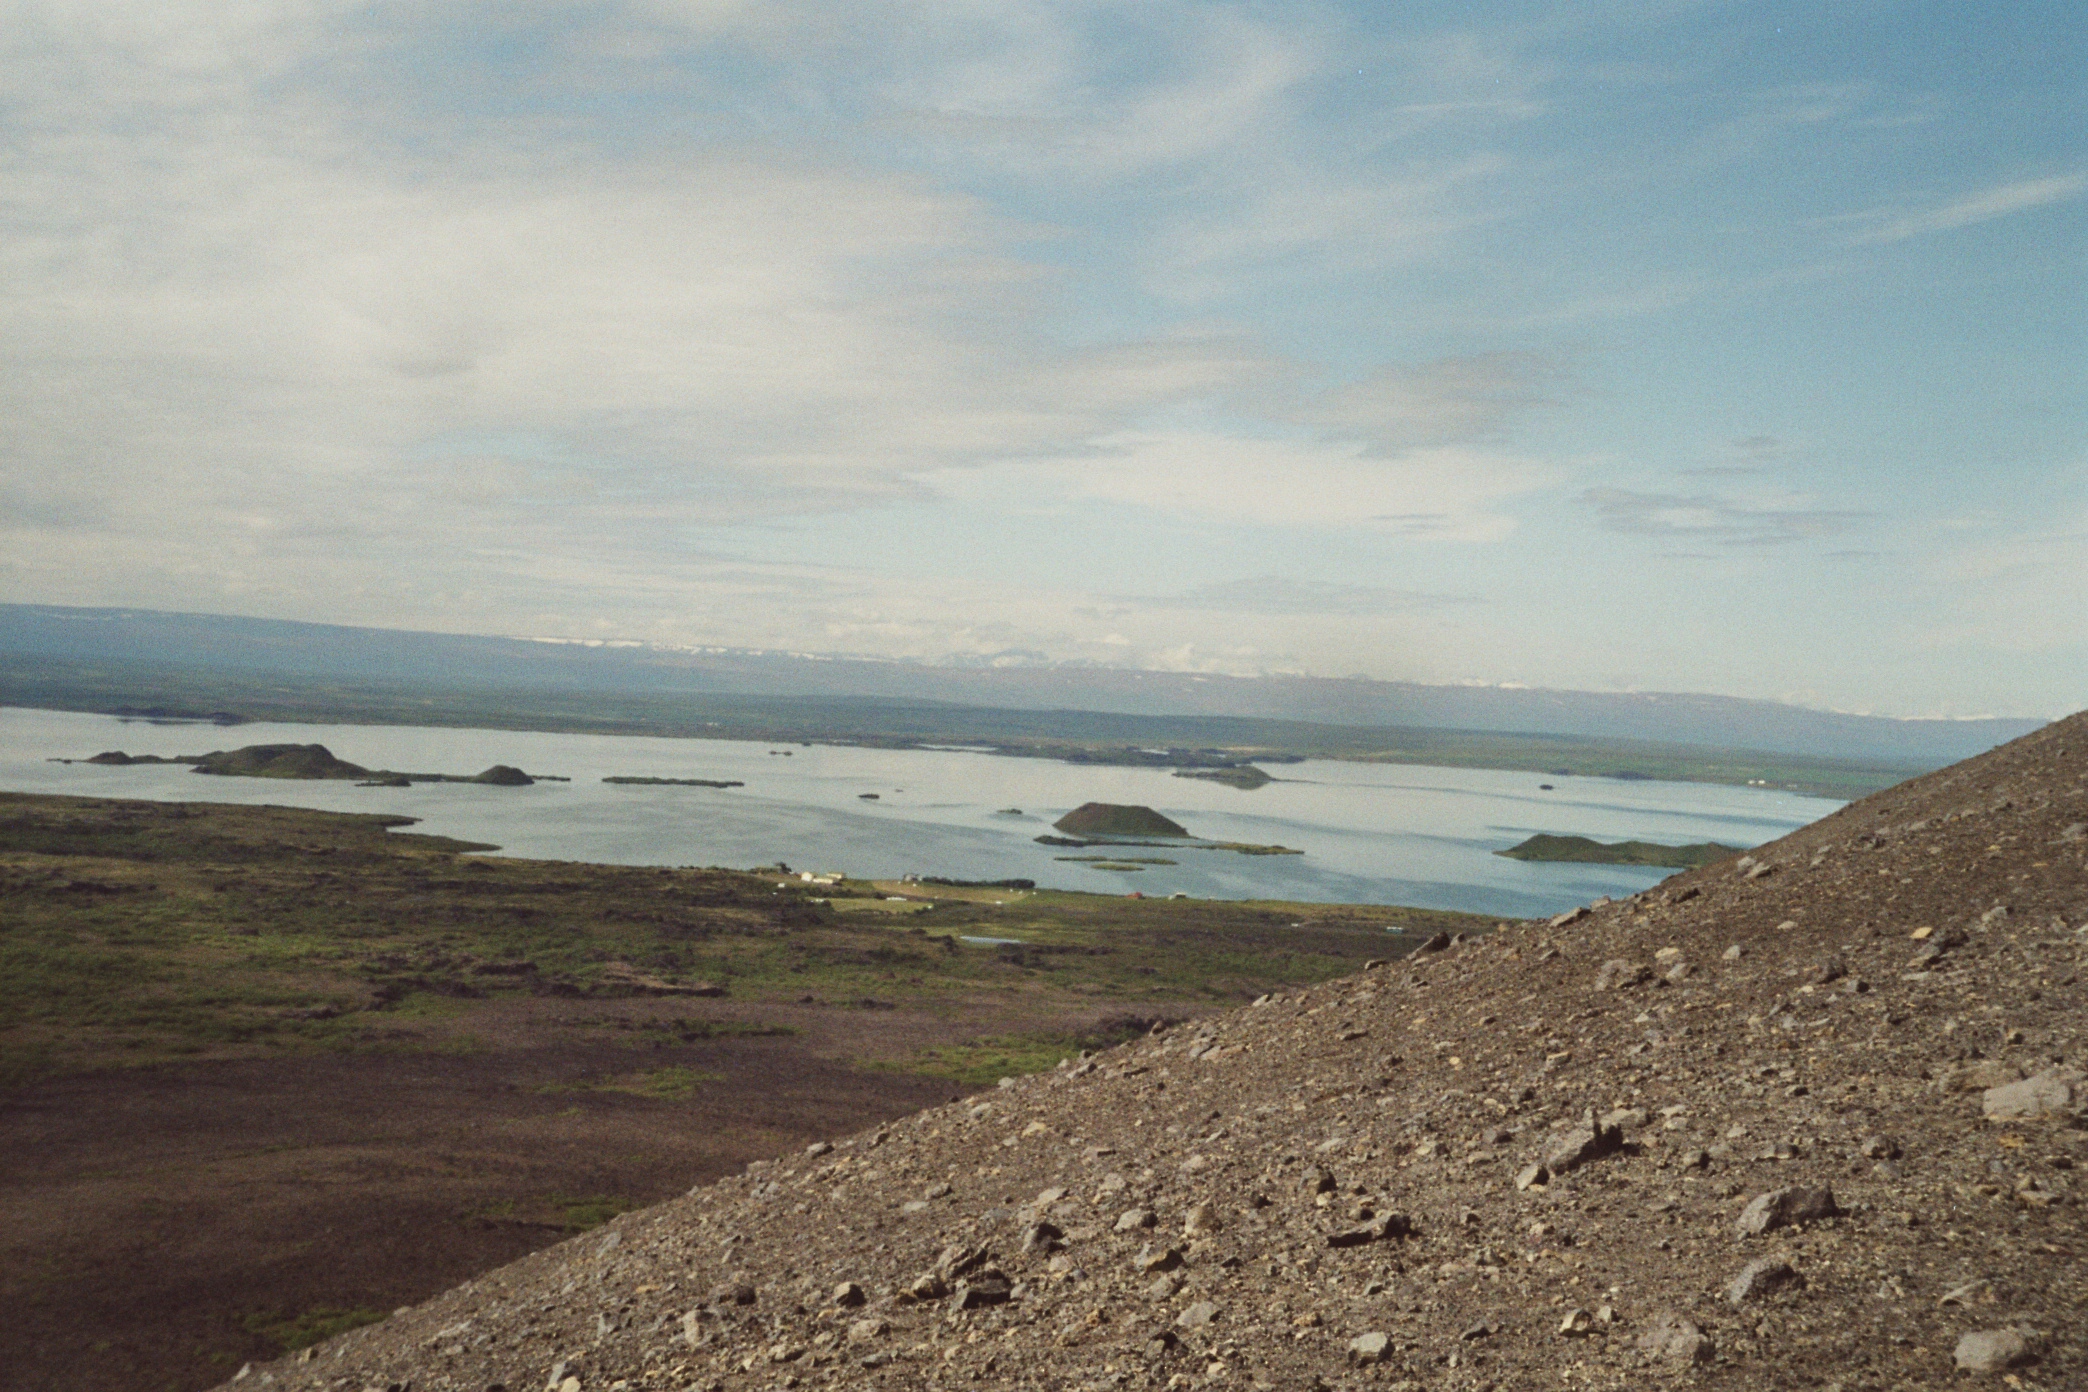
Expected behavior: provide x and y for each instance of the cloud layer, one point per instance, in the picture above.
(937, 330)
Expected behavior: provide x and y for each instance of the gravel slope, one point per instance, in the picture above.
(1767, 1125)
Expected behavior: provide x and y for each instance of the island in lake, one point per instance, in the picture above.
(1582, 850)
(1122, 824)
(309, 761)
(1117, 819)
(679, 782)
(1243, 776)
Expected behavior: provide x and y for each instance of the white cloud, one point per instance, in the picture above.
(2005, 200)
(1717, 520)
(1446, 493)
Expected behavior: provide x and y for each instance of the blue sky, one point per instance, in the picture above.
(1662, 346)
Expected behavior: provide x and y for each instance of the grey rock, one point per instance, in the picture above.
(957, 1259)
(863, 1331)
(1979, 1076)
(1391, 1225)
(1531, 1176)
(1366, 1349)
(1042, 1238)
(733, 1293)
(1878, 1148)
(1203, 1218)
(1733, 953)
(1676, 1339)
(982, 1288)
(1197, 1316)
(1760, 1278)
(1133, 1219)
(1588, 1142)
(848, 1295)
(1616, 974)
(1783, 1208)
(2058, 1091)
(1992, 1350)
(1164, 1287)
(1152, 1258)
(927, 1286)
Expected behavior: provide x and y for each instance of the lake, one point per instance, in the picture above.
(1371, 833)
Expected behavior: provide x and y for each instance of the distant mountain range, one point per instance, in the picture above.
(227, 644)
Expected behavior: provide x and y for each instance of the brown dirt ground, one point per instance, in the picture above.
(150, 1211)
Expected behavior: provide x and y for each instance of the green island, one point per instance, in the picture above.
(678, 782)
(1121, 824)
(1117, 819)
(316, 762)
(1243, 776)
(1582, 850)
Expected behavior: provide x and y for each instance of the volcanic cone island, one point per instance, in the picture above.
(1809, 1118)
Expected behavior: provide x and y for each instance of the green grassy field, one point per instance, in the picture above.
(144, 932)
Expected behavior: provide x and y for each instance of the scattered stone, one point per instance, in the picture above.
(1783, 1208)
(1366, 1349)
(1164, 1287)
(1532, 1177)
(1617, 974)
(1762, 1278)
(1992, 1350)
(982, 1288)
(733, 1293)
(1200, 1220)
(1130, 1220)
(1151, 1258)
(1979, 1077)
(862, 1331)
(2058, 1091)
(1675, 1339)
(1586, 1143)
(819, 1148)
(1198, 1316)
(1041, 1239)
(1733, 953)
(1981, 1289)
(848, 1295)
(1578, 1323)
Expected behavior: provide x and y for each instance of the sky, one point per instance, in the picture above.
(1646, 345)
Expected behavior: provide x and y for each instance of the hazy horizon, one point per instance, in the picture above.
(1678, 347)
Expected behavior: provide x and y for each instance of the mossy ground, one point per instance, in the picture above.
(146, 932)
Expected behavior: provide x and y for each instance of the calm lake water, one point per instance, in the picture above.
(1371, 833)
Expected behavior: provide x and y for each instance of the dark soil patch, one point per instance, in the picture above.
(166, 1222)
